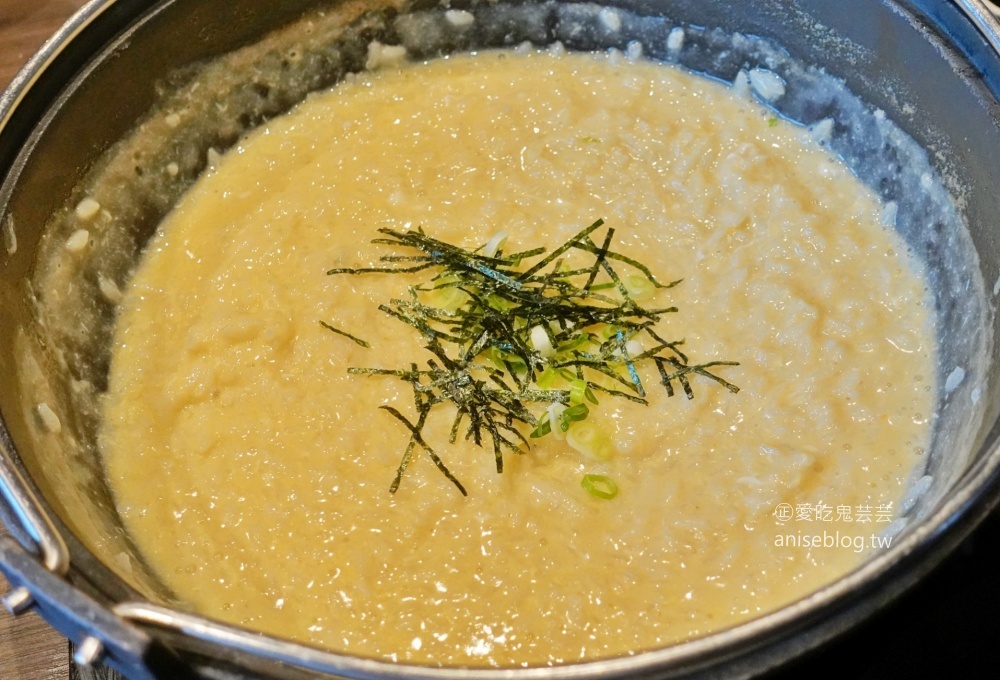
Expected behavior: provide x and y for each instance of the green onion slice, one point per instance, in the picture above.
(577, 391)
(600, 486)
(572, 415)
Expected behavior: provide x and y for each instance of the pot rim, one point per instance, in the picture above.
(32, 70)
(820, 615)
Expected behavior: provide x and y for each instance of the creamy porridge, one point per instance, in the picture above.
(253, 470)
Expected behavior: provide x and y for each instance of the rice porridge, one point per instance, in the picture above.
(271, 463)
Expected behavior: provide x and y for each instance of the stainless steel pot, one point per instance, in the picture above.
(933, 66)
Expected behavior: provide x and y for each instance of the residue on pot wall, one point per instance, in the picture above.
(9, 235)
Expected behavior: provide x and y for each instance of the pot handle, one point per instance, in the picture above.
(98, 635)
(33, 520)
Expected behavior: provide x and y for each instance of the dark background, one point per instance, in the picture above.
(948, 626)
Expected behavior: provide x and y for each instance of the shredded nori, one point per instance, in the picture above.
(483, 359)
(361, 342)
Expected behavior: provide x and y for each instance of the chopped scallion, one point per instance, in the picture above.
(505, 337)
(599, 486)
(639, 287)
(572, 414)
(590, 440)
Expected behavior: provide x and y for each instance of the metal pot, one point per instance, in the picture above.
(933, 66)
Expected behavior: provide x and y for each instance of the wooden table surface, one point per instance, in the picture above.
(29, 648)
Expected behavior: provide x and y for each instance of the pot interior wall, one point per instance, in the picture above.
(55, 324)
